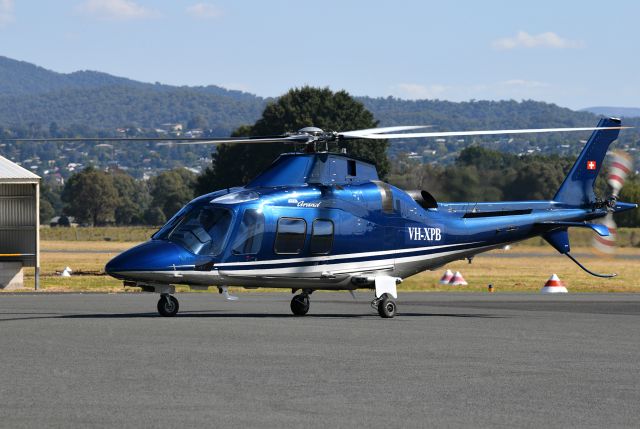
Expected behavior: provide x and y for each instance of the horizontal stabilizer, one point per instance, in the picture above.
(600, 229)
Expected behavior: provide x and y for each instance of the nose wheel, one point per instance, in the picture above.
(168, 305)
(300, 304)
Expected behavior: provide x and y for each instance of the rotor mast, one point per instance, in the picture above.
(317, 135)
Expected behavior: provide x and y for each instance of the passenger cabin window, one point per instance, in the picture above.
(250, 231)
(321, 237)
(290, 235)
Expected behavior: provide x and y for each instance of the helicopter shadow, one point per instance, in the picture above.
(224, 315)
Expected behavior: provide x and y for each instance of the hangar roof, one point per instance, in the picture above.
(13, 173)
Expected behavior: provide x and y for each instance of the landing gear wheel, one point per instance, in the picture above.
(300, 304)
(386, 307)
(168, 306)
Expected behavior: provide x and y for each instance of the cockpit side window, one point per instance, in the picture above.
(249, 235)
(166, 229)
(202, 231)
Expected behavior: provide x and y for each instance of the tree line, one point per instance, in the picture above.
(481, 174)
(98, 197)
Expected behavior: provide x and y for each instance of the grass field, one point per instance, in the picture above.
(520, 272)
(107, 233)
(526, 268)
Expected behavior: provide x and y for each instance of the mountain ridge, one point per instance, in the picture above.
(36, 102)
(23, 78)
(30, 93)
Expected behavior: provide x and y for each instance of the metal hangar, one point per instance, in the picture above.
(19, 224)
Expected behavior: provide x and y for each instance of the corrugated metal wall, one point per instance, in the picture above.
(18, 220)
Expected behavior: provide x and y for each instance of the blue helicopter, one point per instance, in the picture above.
(317, 220)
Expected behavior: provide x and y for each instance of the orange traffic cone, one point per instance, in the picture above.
(554, 285)
(446, 277)
(458, 280)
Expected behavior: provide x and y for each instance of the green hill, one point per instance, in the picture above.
(35, 102)
(110, 107)
(22, 78)
(33, 95)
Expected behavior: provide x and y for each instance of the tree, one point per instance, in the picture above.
(154, 216)
(197, 121)
(64, 221)
(50, 203)
(235, 165)
(54, 129)
(91, 197)
(537, 178)
(630, 193)
(486, 158)
(170, 190)
(133, 199)
(481, 174)
(46, 212)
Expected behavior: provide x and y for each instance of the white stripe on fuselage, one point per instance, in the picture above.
(347, 267)
(340, 256)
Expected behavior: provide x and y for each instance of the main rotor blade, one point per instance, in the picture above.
(287, 139)
(372, 131)
(483, 133)
(102, 139)
(172, 140)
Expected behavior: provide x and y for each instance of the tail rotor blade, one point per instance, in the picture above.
(621, 166)
(606, 245)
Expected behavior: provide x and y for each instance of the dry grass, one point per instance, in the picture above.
(519, 272)
(89, 246)
(107, 233)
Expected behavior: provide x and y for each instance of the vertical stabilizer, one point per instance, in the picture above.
(577, 188)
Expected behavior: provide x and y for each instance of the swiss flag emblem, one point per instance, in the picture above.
(591, 165)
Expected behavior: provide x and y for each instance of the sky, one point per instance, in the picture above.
(573, 53)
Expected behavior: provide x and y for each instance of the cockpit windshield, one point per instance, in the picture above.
(203, 230)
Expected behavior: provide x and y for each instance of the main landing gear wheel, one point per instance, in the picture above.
(386, 307)
(300, 304)
(168, 305)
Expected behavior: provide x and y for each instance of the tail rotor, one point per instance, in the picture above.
(620, 167)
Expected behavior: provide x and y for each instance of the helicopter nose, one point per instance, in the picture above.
(154, 255)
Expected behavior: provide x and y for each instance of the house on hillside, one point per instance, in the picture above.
(171, 127)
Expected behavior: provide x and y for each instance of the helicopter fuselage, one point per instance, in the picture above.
(326, 237)
(326, 221)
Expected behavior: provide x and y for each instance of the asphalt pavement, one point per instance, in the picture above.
(446, 360)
